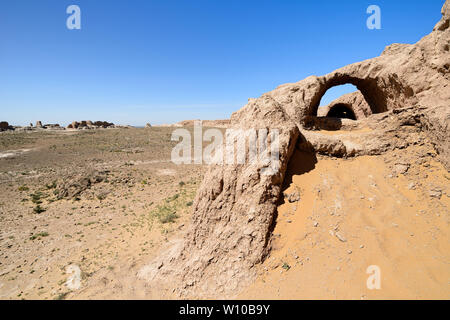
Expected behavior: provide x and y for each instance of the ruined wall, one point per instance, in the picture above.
(235, 206)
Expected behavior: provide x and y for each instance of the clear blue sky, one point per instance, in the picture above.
(137, 61)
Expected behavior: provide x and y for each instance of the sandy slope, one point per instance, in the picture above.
(354, 213)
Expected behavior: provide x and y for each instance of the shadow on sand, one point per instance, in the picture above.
(301, 162)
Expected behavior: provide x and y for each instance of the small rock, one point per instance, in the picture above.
(293, 196)
(435, 193)
(340, 237)
(401, 168)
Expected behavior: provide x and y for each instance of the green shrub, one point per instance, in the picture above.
(165, 214)
(37, 196)
(168, 217)
(39, 235)
(285, 266)
(38, 209)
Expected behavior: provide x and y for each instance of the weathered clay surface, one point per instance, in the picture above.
(407, 90)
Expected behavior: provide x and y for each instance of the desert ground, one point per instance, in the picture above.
(137, 200)
(108, 200)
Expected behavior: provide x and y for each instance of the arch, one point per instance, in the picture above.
(341, 110)
(375, 97)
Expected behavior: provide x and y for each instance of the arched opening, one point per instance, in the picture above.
(373, 95)
(338, 102)
(335, 93)
(343, 101)
(341, 110)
